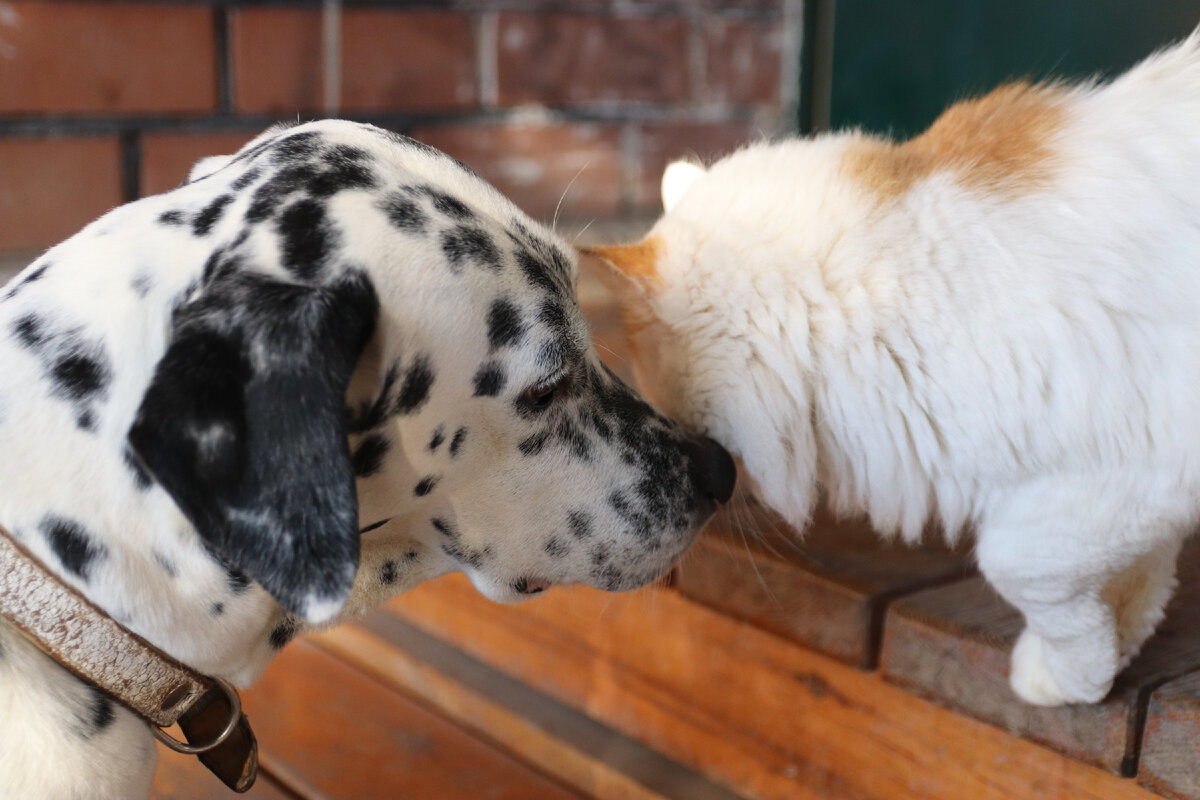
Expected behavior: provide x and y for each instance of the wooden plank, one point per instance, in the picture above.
(826, 590)
(1170, 762)
(181, 777)
(951, 644)
(324, 726)
(592, 758)
(752, 711)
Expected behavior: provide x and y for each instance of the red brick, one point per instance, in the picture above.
(743, 60)
(535, 164)
(392, 60)
(667, 142)
(167, 157)
(106, 58)
(570, 59)
(50, 188)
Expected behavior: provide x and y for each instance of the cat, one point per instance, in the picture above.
(994, 325)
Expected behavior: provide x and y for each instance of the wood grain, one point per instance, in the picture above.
(750, 710)
(581, 753)
(951, 644)
(1170, 762)
(326, 728)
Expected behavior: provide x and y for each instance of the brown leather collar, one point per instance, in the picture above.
(67, 627)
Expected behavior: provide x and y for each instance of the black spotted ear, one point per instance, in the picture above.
(243, 425)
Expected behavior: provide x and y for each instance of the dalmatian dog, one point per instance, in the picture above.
(324, 369)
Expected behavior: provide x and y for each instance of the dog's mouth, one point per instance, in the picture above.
(528, 586)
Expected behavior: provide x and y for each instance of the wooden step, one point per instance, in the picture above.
(951, 644)
(577, 750)
(751, 711)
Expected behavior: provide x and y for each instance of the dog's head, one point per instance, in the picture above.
(376, 334)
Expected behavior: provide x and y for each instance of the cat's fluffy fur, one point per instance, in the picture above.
(995, 325)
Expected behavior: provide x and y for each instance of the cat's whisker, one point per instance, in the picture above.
(558, 207)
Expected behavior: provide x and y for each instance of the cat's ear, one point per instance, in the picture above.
(629, 270)
(676, 180)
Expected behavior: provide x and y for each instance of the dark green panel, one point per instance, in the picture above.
(897, 64)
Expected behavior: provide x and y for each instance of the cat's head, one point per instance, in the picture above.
(715, 340)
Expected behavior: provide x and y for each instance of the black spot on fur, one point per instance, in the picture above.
(246, 178)
(209, 216)
(456, 443)
(534, 444)
(368, 456)
(33, 276)
(489, 380)
(439, 436)
(283, 633)
(575, 439)
(554, 317)
(608, 578)
(466, 243)
(389, 574)
(443, 527)
(580, 523)
(101, 712)
(418, 379)
(216, 609)
(75, 547)
(556, 548)
(345, 168)
(504, 324)
(308, 238)
(297, 147)
(536, 272)
(172, 217)
(599, 554)
(426, 485)
(448, 205)
(403, 212)
(30, 331)
(79, 374)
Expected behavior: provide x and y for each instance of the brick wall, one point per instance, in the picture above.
(102, 102)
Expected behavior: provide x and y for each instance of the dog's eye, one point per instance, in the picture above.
(542, 395)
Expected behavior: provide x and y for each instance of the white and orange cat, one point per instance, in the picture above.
(995, 325)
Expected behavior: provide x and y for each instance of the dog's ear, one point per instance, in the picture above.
(244, 426)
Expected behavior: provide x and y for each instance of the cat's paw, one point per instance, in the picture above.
(1035, 680)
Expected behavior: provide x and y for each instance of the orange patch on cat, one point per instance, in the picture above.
(638, 261)
(999, 143)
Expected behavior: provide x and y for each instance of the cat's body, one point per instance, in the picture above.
(995, 325)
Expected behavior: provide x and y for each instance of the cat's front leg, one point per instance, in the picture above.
(1089, 598)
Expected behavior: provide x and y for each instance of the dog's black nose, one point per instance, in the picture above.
(712, 469)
